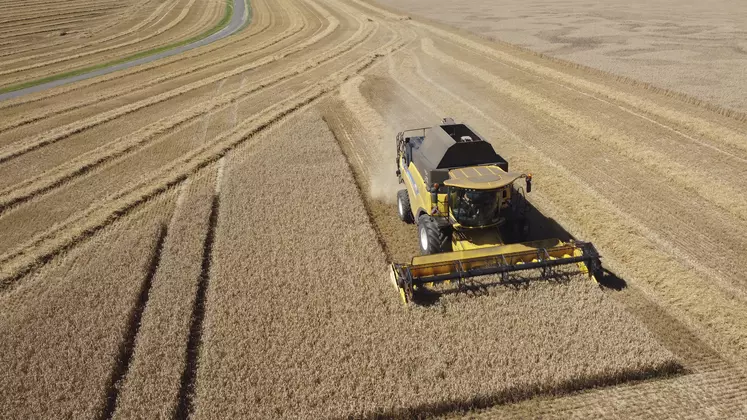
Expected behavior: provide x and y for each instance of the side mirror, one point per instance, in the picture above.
(529, 183)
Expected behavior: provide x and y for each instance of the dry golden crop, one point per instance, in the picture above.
(153, 385)
(649, 43)
(66, 330)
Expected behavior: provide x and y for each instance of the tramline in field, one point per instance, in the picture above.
(470, 212)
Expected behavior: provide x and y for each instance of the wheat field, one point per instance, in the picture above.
(208, 235)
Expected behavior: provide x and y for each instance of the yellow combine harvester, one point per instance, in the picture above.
(471, 213)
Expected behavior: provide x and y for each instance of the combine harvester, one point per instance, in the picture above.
(467, 205)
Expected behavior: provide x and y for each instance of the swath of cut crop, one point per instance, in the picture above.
(41, 68)
(105, 153)
(128, 146)
(157, 13)
(254, 31)
(63, 132)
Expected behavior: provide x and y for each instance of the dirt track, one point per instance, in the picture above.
(655, 181)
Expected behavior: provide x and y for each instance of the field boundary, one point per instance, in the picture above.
(225, 20)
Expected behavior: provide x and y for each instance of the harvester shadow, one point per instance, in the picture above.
(546, 227)
(541, 227)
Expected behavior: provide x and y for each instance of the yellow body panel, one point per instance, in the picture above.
(415, 188)
(548, 244)
(478, 177)
(467, 239)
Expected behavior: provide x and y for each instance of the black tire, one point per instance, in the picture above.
(403, 207)
(438, 240)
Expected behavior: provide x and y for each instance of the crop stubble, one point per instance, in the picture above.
(691, 47)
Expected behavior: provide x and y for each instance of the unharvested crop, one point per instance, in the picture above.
(154, 385)
(66, 330)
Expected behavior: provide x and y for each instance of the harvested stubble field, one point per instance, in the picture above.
(39, 39)
(689, 46)
(207, 235)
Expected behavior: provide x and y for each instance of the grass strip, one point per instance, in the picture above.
(222, 24)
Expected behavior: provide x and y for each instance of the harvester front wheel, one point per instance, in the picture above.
(403, 207)
(433, 240)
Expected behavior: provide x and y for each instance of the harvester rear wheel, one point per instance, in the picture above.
(433, 239)
(403, 207)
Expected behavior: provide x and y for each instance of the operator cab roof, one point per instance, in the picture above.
(481, 177)
(453, 146)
